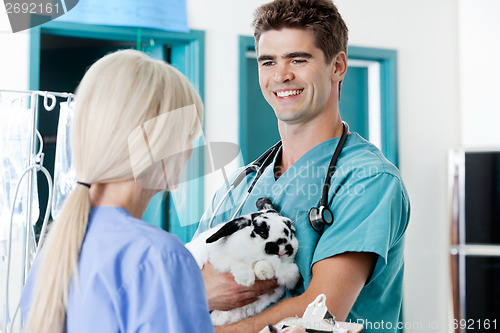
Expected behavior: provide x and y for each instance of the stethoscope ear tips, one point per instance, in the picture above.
(319, 217)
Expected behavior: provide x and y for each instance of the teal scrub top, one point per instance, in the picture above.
(371, 211)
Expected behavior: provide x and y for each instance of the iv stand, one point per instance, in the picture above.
(34, 159)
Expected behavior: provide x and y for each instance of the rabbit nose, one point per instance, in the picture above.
(272, 248)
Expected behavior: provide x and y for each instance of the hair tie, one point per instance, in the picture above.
(84, 184)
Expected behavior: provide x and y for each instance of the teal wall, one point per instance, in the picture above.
(354, 100)
(258, 124)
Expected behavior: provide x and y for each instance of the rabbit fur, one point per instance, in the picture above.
(259, 245)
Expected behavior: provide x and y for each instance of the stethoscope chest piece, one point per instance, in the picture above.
(319, 217)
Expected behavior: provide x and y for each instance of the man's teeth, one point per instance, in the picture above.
(287, 93)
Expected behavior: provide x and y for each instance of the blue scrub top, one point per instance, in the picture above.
(371, 210)
(133, 277)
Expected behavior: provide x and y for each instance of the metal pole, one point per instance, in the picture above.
(37, 92)
(31, 182)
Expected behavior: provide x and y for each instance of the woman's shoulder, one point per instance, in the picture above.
(115, 228)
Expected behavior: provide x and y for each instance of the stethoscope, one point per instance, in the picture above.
(318, 216)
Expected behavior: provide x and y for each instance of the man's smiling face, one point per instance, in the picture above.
(293, 74)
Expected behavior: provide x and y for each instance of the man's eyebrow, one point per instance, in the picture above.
(265, 58)
(298, 55)
(292, 55)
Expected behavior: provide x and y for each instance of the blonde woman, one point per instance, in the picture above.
(103, 269)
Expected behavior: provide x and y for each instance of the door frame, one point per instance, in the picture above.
(188, 49)
(245, 44)
(187, 55)
(388, 60)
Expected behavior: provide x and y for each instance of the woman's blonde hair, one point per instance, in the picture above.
(119, 93)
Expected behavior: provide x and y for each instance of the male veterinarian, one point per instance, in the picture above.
(357, 262)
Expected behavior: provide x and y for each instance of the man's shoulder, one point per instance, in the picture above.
(365, 159)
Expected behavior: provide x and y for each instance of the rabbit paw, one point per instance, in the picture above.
(263, 270)
(243, 275)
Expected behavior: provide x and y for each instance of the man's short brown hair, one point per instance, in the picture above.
(319, 16)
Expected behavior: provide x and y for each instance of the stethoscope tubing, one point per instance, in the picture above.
(220, 204)
(257, 166)
(260, 164)
(333, 165)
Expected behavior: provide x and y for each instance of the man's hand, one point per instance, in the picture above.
(340, 278)
(225, 294)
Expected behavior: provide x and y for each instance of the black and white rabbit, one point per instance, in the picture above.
(259, 245)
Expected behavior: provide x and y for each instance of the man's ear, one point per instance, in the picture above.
(339, 66)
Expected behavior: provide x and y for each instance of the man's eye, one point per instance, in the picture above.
(298, 61)
(267, 64)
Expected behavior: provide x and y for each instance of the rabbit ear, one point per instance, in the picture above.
(230, 228)
(264, 203)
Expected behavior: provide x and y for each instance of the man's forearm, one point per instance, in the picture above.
(287, 308)
(340, 278)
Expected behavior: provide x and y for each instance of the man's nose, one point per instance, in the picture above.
(283, 73)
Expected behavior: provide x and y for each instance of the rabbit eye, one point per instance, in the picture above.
(261, 229)
(281, 241)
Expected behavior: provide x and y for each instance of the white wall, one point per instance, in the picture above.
(479, 45)
(223, 21)
(13, 56)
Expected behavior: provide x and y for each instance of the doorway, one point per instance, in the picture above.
(61, 53)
